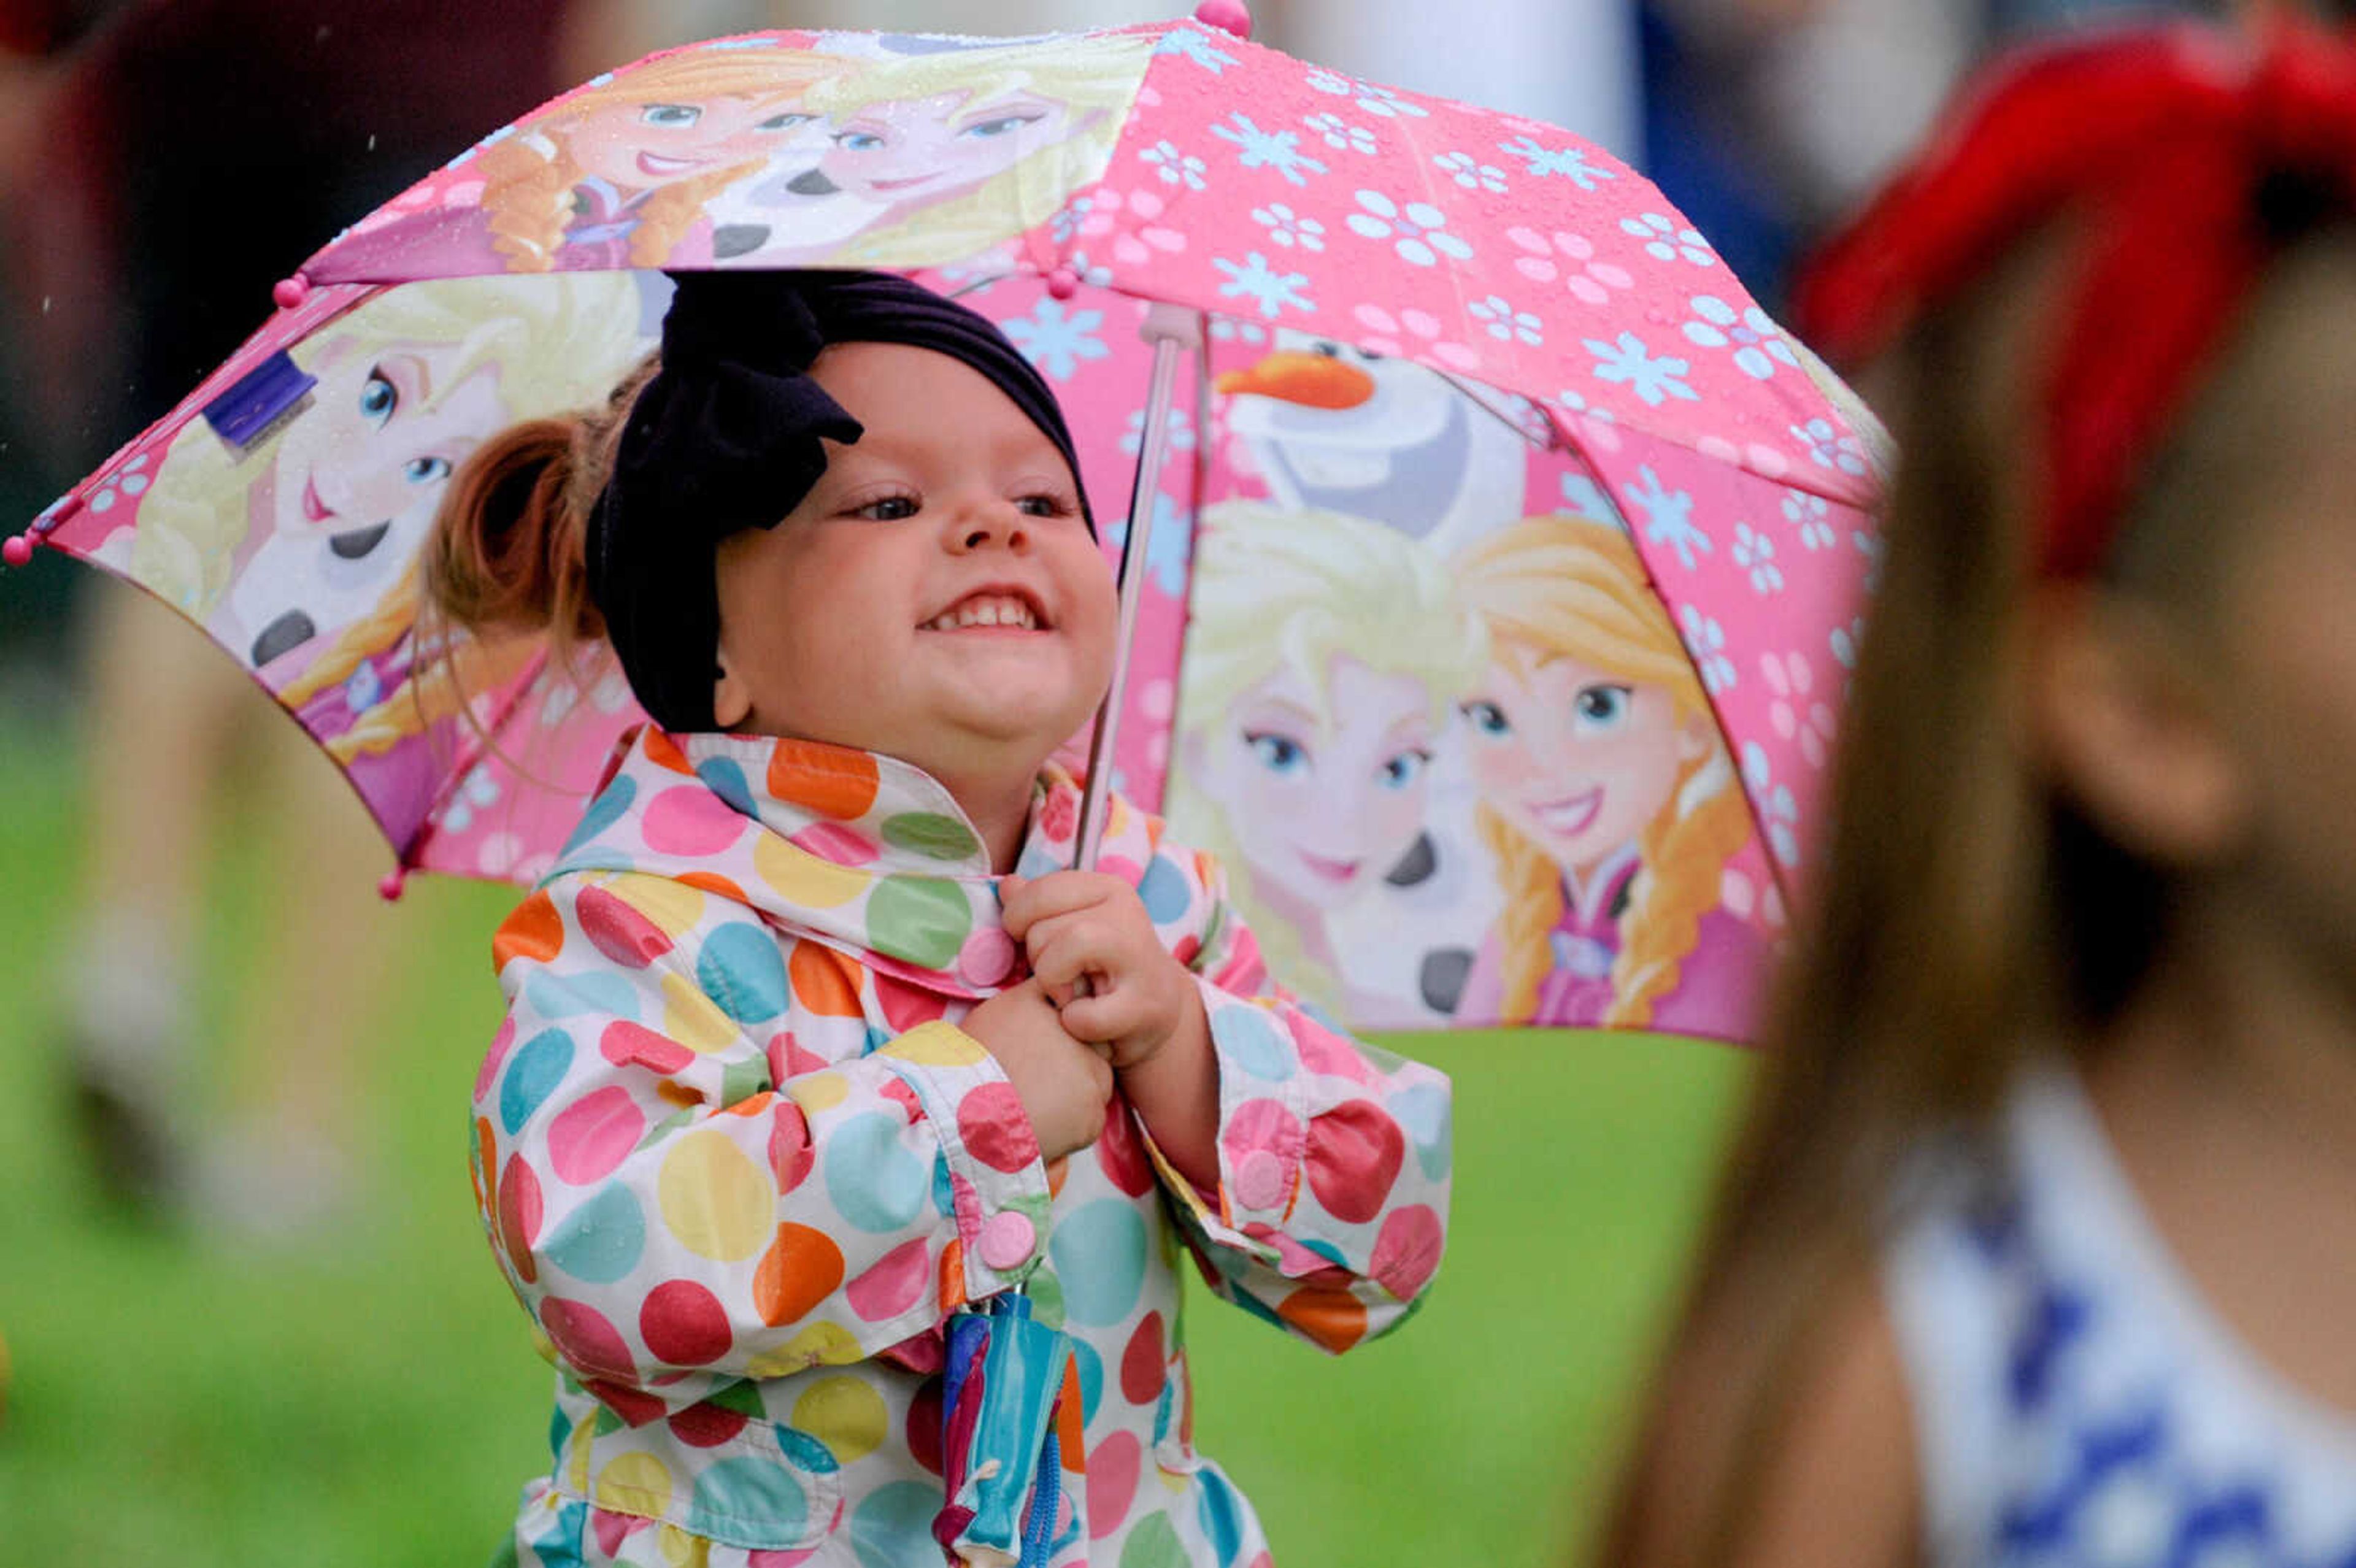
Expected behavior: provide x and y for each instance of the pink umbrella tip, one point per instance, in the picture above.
(290, 292)
(18, 551)
(1062, 282)
(1228, 15)
(389, 888)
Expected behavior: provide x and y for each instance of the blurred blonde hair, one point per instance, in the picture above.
(1277, 590)
(1560, 586)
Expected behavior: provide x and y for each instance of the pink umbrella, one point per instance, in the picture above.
(1272, 296)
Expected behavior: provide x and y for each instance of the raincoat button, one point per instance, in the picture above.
(1007, 1239)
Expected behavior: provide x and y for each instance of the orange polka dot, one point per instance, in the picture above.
(1070, 1438)
(752, 1105)
(830, 779)
(486, 1181)
(535, 931)
(824, 980)
(664, 752)
(713, 882)
(801, 1268)
(952, 1286)
(678, 1093)
(1058, 1168)
(1329, 1314)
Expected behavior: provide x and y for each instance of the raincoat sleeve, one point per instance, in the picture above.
(1333, 1156)
(694, 1168)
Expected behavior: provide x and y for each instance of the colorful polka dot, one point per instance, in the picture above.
(937, 1045)
(801, 878)
(685, 1324)
(791, 1153)
(600, 1241)
(894, 1285)
(905, 1006)
(1249, 1037)
(802, 1267)
(534, 931)
(635, 1482)
(1088, 1368)
(996, 1131)
(584, 1337)
(603, 993)
(692, 1019)
(725, 779)
(876, 1182)
(1144, 1366)
(690, 820)
(539, 1066)
(892, 1525)
(1355, 1153)
(715, 1199)
(594, 1135)
(1327, 1314)
(1406, 1250)
(620, 933)
(485, 1074)
(1121, 1151)
(819, 1344)
(745, 1487)
(817, 1093)
(934, 834)
(824, 981)
(920, 920)
(833, 841)
(1098, 1250)
(923, 1428)
(519, 1216)
(832, 780)
(1220, 1512)
(602, 814)
(1164, 892)
(1112, 1482)
(988, 957)
(846, 1414)
(1421, 1109)
(742, 972)
(626, 1044)
(1154, 1544)
(669, 902)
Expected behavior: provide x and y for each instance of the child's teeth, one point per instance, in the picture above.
(992, 611)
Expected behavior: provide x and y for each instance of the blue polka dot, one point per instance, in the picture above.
(1038, 860)
(1251, 1039)
(876, 1182)
(944, 1192)
(1090, 1366)
(727, 780)
(1164, 890)
(533, 1072)
(558, 1429)
(602, 991)
(737, 1492)
(562, 1541)
(1253, 1304)
(1326, 1249)
(876, 1040)
(743, 971)
(894, 1525)
(599, 1242)
(1421, 1112)
(806, 1450)
(1098, 1250)
(1222, 1514)
(1162, 1407)
(602, 812)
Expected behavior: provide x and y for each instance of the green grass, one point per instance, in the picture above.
(377, 1401)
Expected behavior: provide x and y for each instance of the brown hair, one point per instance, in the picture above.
(1964, 917)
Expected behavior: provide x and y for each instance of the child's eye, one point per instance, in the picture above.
(1601, 707)
(890, 509)
(378, 398)
(784, 122)
(1404, 769)
(858, 140)
(1043, 504)
(1487, 718)
(1277, 754)
(999, 126)
(673, 114)
(425, 470)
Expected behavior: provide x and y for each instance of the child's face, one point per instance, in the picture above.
(924, 149)
(1578, 759)
(1324, 793)
(383, 435)
(638, 146)
(936, 597)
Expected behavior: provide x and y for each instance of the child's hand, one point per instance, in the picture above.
(1077, 925)
(1063, 1085)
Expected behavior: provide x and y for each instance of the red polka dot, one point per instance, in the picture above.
(534, 931)
(995, 1130)
(519, 1214)
(832, 842)
(612, 1530)
(1355, 1152)
(627, 1044)
(832, 780)
(1122, 1152)
(1327, 1314)
(635, 1406)
(1112, 1483)
(707, 1425)
(894, 1285)
(1407, 1251)
(1120, 866)
(905, 1006)
(690, 820)
(1322, 1051)
(586, 1339)
(684, 1324)
(617, 931)
(801, 1268)
(1262, 1127)
(911, 1105)
(1143, 1368)
(825, 981)
(925, 1426)
(791, 1155)
(594, 1135)
(489, 1070)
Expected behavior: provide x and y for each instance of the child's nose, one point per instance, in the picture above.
(990, 522)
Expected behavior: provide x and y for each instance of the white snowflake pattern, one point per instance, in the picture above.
(1812, 515)
(1653, 379)
(1070, 218)
(1178, 432)
(1567, 163)
(1091, 273)
(1278, 150)
(1371, 99)
(1286, 227)
(1847, 641)
(1057, 342)
(1227, 329)
(1255, 280)
(1168, 547)
(1778, 811)
(1418, 231)
(1469, 172)
(132, 479)
(1756, 342)
(1755, 553)
(1796, 713)
(1174, 166)
(1665, 239)
(1546, 257)
(1668, 517)
(1340, 134)
(1184, 41)
(1829, 448)
(1704, 639)
(1582, 496)
(1333, 82)
(1504, 323)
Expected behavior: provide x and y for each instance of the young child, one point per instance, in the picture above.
(2041, 1242)
(796, 1064)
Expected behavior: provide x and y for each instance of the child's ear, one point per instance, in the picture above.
(731, 698)
(2131, 726)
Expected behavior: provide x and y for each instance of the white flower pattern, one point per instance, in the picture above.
(1418, 231)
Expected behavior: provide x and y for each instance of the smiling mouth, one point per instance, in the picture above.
(657, 166)
(913, 180)
(991, 610)
(1339, 872)
(315, 508)
(1572, 815)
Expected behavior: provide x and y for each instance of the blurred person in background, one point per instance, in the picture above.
(162, 163)
(2039, 1241)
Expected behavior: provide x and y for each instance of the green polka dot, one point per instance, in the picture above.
(920, 920)
(930, 834)
(1154, 1544)
(1046, 1294)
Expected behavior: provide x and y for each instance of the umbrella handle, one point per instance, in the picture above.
(1169, 328)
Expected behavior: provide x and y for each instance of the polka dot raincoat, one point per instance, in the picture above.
(739, 1163)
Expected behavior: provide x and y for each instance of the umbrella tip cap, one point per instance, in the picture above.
(18, 551)
(389, 888)
(1062, 282)
(1228, 15)
(291, 291)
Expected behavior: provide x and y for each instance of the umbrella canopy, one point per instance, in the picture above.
(1505, 555)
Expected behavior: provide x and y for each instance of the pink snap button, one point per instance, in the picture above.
(987, 958)
(1260, 1180)
(1007, 1239)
